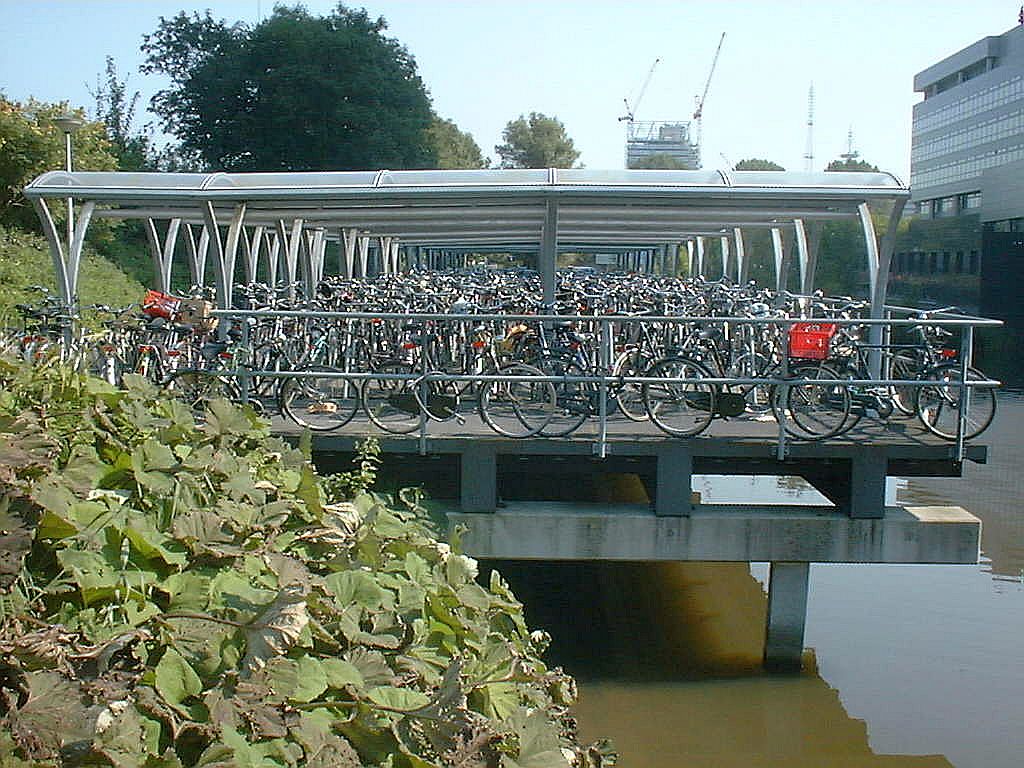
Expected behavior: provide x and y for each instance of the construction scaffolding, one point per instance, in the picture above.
(645, 139)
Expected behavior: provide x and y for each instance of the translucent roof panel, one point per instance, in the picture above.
(639, 177)
(484, 177)
(788, 179)
(292, 180)
(120, 180)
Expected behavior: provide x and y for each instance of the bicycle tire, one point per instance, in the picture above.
(818, 411)
(752, 365)
(196, 388)
(321, 404)
(938, 404)
(572, 399)
(630, 397)
(680, 409)
(390, 403)
(904, 366)
(517, 409)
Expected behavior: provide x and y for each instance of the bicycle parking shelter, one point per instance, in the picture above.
(294, 227)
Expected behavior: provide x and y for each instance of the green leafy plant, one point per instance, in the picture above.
(182, 593)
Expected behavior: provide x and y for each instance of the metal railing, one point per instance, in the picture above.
(602, 328)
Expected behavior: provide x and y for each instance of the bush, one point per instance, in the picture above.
(176, 592)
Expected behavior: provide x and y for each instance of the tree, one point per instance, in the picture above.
(757, 164)
(661, 161)
(294, 92)
(454, 148)
(851, 163)
(116, 110)
(30, 144)
(536, 142)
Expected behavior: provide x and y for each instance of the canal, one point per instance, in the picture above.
(905, 665)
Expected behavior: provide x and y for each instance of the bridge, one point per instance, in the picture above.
(279, 227)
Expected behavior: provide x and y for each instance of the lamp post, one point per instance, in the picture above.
(69, 123)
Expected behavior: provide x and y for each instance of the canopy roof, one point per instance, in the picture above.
(462, 207)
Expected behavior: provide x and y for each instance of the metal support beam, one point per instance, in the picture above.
(364, 254)
(548, 256)
(224, 252)
(252, 247)
(197, 254)
(162, 253)
(802, 254)
(742, 267)
(787, 616)
(349, 236)
(724, 241)
(700, 257)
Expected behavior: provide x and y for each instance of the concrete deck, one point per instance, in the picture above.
(566, 531)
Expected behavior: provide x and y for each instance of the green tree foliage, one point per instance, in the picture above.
(536, 141)
(851, 164)
(116, 109)
(757, 164)
(661, 161)
(294, 92)
(179, 593)
(454, 148)
(31, 144)
(842, 261)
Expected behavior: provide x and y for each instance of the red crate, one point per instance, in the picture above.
(810, 341)
(157, 304)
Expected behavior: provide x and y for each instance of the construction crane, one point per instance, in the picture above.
(631, 110)
(698, 113)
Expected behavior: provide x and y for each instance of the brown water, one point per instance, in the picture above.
(906, 665)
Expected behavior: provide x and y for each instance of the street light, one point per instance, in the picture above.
(69, 123)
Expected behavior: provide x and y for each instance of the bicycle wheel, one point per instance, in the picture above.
(681, 409)
(390, 403)
(196, 388)
(752, 365)
(904, 366)
(572, 398)
(939, 404)
(817, 411)
(319, 403)
(630, 397)
(518, 408)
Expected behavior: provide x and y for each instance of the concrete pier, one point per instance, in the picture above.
(787, 615)
(851, 525)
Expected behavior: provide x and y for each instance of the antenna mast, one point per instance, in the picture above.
(850, 154)
(809, 152)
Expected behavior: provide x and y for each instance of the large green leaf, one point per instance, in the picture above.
(359, 588)
(403, 699)
(176, 681)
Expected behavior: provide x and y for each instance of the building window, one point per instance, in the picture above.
(945, 263)
(947, 206)
(970, 201)
(959, 268)
(972, 263)
(933, 262)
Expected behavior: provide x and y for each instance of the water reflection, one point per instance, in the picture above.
(669, 661)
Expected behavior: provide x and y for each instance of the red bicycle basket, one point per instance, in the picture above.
(810, 341)
(157, 304)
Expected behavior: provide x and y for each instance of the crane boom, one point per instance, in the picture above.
(707, 84)
(698, 113)
(631, 110)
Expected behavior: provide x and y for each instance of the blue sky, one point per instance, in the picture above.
(488, 62)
